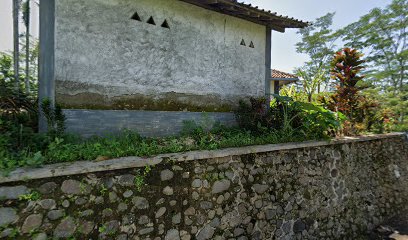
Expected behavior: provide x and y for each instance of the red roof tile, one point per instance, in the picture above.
(282, 75)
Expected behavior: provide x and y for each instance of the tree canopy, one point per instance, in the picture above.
(382, 34)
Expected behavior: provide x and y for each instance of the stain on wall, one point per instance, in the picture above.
(104, 57)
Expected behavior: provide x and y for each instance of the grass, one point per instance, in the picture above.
(400, 127)
(72, 148)
(131, 144)
(285, 121)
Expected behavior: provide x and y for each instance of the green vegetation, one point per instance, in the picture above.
(21, 145)
(103, 190)
(102, 229)
(283, 120)
(318, 42)
(34, 196)
(14, 231)
(291, 121)
(54, 116)
(140, 178)
(287, 117)
(131, 144)
(139, 183)
(356, 100)
(358, 111)
(346, 70)
(381, 35)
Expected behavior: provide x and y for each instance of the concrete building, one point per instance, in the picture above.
(148, 65)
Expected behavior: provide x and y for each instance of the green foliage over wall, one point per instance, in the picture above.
(287, 117)
(381, 35)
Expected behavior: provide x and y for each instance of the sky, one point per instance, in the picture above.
(284, 56)
(6, 24)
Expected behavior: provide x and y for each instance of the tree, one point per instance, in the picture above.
(346, 67)
(6, 73)
(311, 82)
(16, 55)
(26, 20)
(318, 43)
(382, 34)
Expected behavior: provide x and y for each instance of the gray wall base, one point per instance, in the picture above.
(147, 123)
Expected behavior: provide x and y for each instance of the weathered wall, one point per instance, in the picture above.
(318, 190)
(106, 60)
(88, 123)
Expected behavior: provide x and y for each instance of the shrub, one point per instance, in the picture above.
(284, 121)
(54, 116)
(346, 66)
(318, 121)
(364, 114)
(254, 115)
(18, 121)
(288, 117)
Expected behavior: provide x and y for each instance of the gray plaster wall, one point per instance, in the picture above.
(88, 123)
(106, 60)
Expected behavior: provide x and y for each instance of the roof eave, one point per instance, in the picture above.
(284, 79)
(249, 13)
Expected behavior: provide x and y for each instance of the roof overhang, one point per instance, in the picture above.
(248, 12)
(285, 81)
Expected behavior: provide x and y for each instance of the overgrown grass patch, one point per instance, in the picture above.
(70, 148)
(284, 121)
(131, 144)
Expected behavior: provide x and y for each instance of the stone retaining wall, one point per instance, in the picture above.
(314, 190)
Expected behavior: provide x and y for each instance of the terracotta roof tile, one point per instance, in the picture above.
(280, 74)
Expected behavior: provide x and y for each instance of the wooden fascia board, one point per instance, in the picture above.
(263, 18)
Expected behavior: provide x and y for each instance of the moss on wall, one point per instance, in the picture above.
(170, 102)
(83, 96)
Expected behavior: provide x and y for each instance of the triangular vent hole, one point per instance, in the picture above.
(243, 42)
(151, 21)
(136, 17)
(165, 24)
